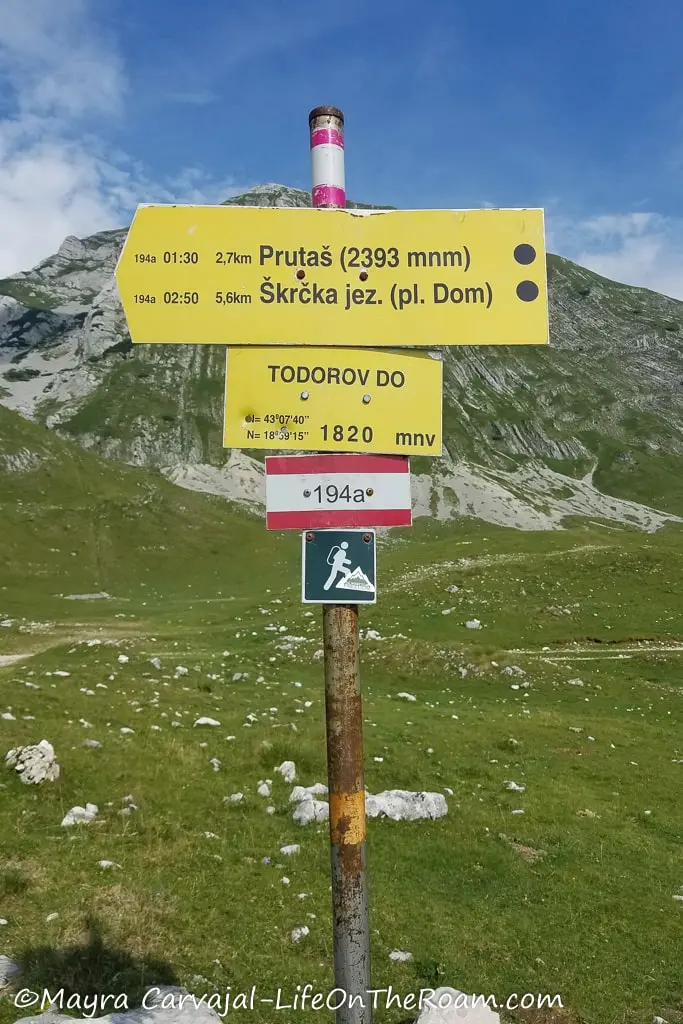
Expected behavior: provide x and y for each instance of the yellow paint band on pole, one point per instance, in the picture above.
(347, 817)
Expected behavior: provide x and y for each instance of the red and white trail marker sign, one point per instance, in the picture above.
(318, 492)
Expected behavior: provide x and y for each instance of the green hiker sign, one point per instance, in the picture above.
(338, 567)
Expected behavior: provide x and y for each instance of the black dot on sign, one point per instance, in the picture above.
(525, 253)
(527, 291)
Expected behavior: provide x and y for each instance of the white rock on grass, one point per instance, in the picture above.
(93, 744)
(300, 933)
(216, 764)
(311, 810)
(9, 970)
(407, 696)
(400, 956)
(449, 1006)
(35, 764)
(234, 798)
(402, 805)
(287, 770)
(264, 788)
(206, 721)
(108, 865)
(514, 787)
(123, 659)
(155, 662)
(473, 624)
(78, 815)
(125, 731)
(289, 851)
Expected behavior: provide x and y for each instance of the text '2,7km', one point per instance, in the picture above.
(263, 276)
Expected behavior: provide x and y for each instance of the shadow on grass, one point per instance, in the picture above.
(93, 969)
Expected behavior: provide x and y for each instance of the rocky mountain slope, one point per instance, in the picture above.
(590, 426)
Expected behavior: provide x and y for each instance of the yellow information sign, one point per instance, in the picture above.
(267, 276)
(333, 400)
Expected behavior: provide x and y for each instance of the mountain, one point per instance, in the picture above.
(591, 426)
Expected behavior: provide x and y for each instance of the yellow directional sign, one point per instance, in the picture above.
(336, 400)
(266, 276)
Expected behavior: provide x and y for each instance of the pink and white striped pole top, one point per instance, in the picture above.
(327, 157)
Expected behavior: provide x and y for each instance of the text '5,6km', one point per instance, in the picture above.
(263, 276)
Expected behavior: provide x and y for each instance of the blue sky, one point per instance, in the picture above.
(576, 106)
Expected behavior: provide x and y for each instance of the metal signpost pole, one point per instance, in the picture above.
(344, 716)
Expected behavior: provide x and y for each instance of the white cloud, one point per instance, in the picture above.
(643, 249)
(63, 78)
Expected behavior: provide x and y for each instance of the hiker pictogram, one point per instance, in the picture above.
(336, 562)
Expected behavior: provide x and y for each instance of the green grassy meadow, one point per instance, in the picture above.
(575, 896)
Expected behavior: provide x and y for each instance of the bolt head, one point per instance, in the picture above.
(370, 491)
(367, 399)
(304, 395)
(307, 493)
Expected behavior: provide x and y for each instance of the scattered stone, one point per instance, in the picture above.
(93, 744)
(206, 721)
(400, 956)
(107, 865)
(514, 787)
(473, 624)
(123, 659)
(586, 813)
(35, 764)
(300, 933)
(234, 798)
(403, 805)
(156, 662)
(51, 917)
(289, 851)
(215, 764)
(264, 788)
(407, 696)
(311, 810)
(287, 770)
(10, 970)
(125, 731)
(78, 815)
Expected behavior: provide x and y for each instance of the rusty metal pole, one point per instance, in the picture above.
(343, 709)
